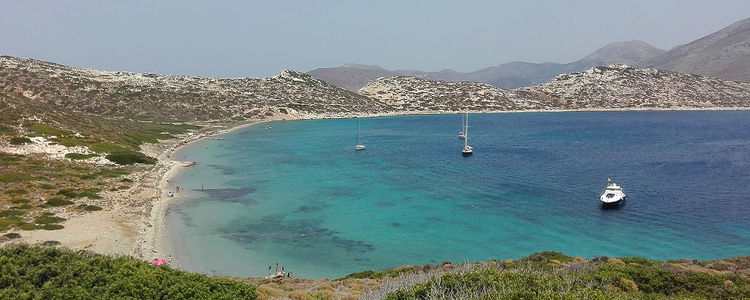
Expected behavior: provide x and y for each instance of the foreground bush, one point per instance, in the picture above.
(550, 275)
(48, 273)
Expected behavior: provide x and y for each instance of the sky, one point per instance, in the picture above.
(261, 38)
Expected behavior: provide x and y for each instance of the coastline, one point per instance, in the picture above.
(154, 240)
(136, 223)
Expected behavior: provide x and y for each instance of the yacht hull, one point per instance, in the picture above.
(613, 203)
(467, 153)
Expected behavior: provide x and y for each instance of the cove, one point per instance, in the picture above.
(298, 194)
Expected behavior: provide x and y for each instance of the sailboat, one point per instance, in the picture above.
(359, 145)
(468, 150)
(461, 133)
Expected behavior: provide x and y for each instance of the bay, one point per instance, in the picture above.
(298, 194)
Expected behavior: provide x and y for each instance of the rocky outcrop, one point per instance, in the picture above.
(418, 94)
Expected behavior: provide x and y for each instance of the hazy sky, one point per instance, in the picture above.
(260, 38)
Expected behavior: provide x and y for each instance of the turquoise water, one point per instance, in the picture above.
(298, 194)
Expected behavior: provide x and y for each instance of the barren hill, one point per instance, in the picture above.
(160, 97)
(723, 54)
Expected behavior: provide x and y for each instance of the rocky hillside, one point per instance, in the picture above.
(723, 54)
(160, 97)
(620, 86)
(613, 87)
(418, 94)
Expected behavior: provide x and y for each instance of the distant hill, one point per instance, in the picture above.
(723, 54)
(507, 76)
(351, 76)
(632, 53)
(612, 87)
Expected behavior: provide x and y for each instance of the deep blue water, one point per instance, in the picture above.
(299, 194)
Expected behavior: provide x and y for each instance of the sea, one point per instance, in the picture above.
(299, 195)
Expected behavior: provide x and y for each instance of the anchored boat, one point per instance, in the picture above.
(613, 195)
(468, 150)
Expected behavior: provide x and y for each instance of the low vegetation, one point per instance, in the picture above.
(551, 275)
(48, 273)
(30, 186)
(19, 140)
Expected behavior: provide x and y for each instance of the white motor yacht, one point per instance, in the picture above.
(613, 194)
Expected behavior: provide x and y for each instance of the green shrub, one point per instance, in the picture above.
(26, 226)
(547, 256)
(67, 193)
(19, 141)
(46, 186)
(50, 243)
(92, 208)
(79, 156)
(90, 193)
(56, 201)
(51, 227)
(383, 273)
(50, 273)
(45, 130)
(12, 235)
(48, 218)
(19, 201)
(11, 213)
(23, 206)
(8, 221)
(130, 157)
(16, 192)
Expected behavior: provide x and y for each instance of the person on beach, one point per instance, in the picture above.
(169, 259)
(269, 271)
(282, 271)
(277, 267)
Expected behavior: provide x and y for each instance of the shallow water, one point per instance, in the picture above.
(299, 194)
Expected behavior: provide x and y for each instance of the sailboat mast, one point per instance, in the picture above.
(359, 125)
(466, 131)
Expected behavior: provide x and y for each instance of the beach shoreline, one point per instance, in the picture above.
(136, 222)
